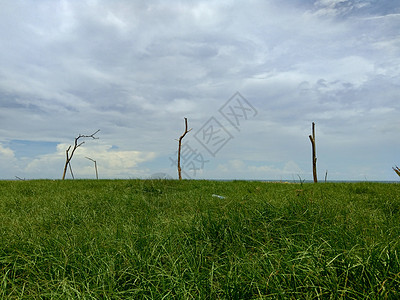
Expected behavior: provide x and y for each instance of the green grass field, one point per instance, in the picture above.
(152, 239)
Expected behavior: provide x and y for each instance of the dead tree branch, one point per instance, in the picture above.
(70, 169)
(397, 170)
(95, 166)
(77, 144)
(314, 157)
(179, 149)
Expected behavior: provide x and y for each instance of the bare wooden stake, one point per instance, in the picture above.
(314, 157)
(95, 166)
(179, 149)
(76, 145)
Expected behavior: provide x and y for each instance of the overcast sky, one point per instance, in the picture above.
(250, 76)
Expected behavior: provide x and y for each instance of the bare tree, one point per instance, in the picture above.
(314, 158)
(95, 166)
(397, 170)
(77, 144)
(179, 149)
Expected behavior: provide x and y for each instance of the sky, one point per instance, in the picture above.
(249, 76)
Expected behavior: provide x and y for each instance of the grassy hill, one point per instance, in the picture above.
(154, 239)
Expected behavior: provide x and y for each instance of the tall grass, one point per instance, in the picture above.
(154, 239)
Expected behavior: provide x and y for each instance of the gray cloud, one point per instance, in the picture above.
(135, 69)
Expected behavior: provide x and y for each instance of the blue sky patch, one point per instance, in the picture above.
(26, 148)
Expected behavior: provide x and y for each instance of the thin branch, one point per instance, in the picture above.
(95, 166)
(179, 149)
(397, 170)
(70, 169)
(90, 159)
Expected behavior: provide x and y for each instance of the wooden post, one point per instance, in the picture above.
(314, 157)
(95, 166)
(179, 149)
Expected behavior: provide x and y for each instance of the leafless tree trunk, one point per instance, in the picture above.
(179, 149)
(314, 158)
(95, 166)
(77, 144)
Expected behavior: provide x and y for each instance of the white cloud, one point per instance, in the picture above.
(248, 170)
(337, 7)
(8, 162)
(111, 163)
(6, 153)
